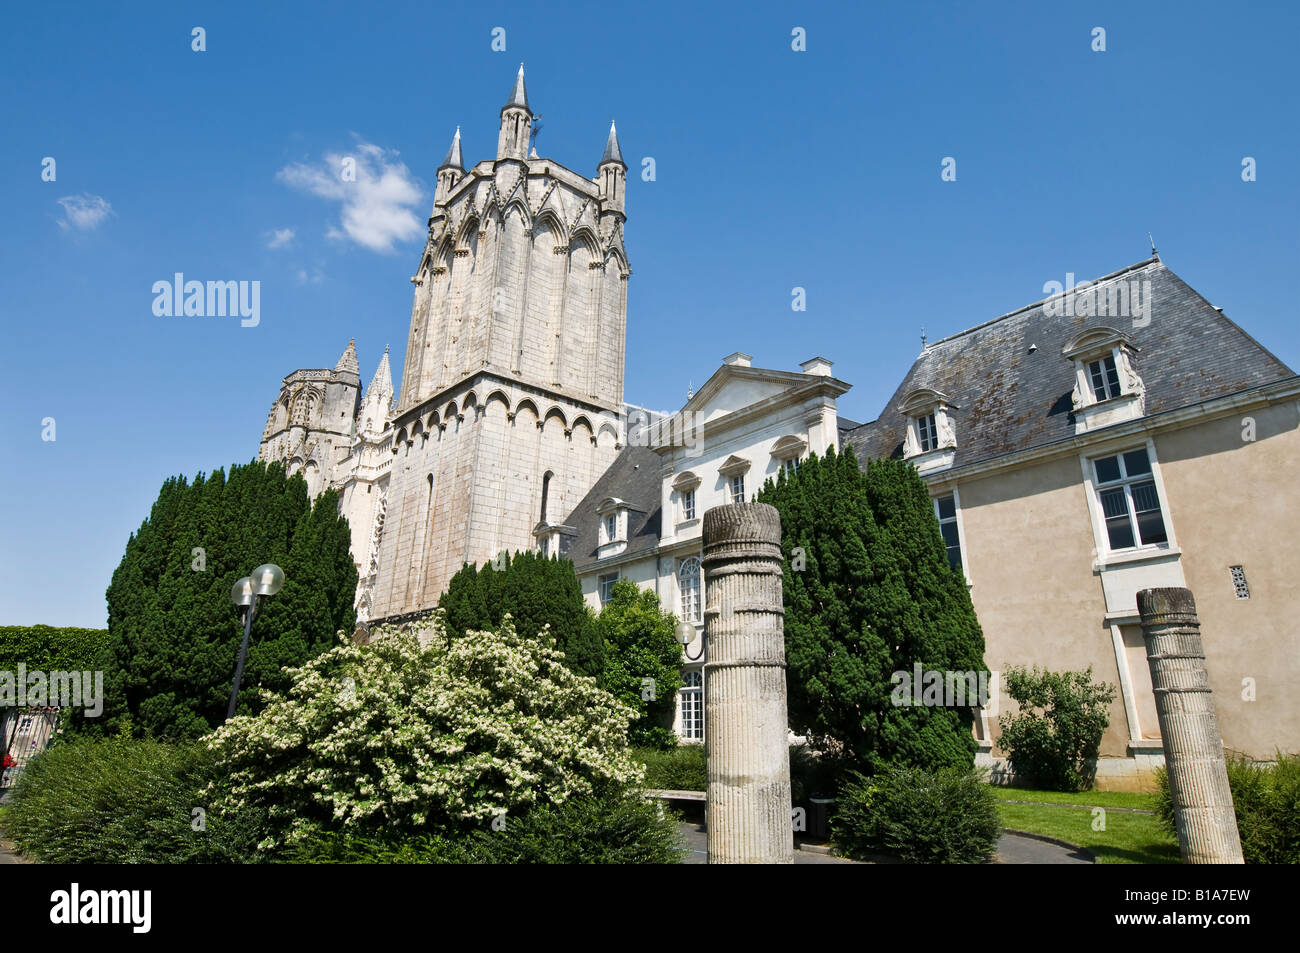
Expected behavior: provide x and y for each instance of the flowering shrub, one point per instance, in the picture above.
(415, 730)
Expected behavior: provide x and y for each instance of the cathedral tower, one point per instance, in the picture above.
(513, 378)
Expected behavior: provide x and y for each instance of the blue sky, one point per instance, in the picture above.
(774, 169)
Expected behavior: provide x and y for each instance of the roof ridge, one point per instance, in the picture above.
(1010, 314)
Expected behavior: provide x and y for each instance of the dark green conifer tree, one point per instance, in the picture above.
(173, 631)
(537, 592)
(868, 593)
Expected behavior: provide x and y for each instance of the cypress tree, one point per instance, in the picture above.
(869, 593)
(537, 592)
(173, 632)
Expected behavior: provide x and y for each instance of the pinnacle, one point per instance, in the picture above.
(347, 363)
(519, 95)
(612, 152)
(453, 159)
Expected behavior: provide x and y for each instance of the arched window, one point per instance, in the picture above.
(692, 706)
(688, 581)
(546, 487)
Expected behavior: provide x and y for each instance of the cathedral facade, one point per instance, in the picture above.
(511, 400)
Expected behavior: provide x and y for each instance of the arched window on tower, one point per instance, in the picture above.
(546, 489)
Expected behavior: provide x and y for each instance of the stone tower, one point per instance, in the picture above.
(310, 426)
(512, 389)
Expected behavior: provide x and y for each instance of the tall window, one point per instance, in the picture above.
(611, 527)
(1130, 503)
(546, 547)
(738, 488)
(926, 434)
(1104, 377)
(692, 702)
(688, 504)
(945, 509)
(790, 466)
(607, 588)
(688, 581)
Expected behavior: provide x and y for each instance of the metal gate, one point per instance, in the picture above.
(25, 733)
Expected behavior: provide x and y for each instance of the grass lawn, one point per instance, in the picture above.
(1128, 838)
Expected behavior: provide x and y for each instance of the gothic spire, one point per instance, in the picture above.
(382, 382)
(519, 95)
(453, 160)
(612, 153)
(347, 363)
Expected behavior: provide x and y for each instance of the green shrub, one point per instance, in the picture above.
(418, 730)
(48, 648)
(616, 828)
(947, 816)
(1267, 803)
(1053, 739)
(676, 769)
(118, 801)
(641, 644)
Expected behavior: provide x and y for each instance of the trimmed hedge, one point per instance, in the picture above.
(118, 801)
(674, 769)
(1267, 803)
(616, 828)
(948, 816)
(51, 649)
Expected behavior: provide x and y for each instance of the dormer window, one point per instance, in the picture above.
(1107, 388)
(685, 486)
(553, 539)
(926, 433)
(611, 528)
(929, 440)
(1104, 378)
(614, 516)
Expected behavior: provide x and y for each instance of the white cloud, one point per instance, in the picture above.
(84, 212)
(378, 203)
(279, 237)
(315, 278)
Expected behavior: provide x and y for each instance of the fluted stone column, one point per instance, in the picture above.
(748, 810)
(1198, 777)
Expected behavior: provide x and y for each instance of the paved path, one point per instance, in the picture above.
(1012, 849)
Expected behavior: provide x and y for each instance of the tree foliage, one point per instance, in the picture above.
(418, 730)
(643, 661)
(173, 632)
(869, 592)
(536, 592)
(50, 648)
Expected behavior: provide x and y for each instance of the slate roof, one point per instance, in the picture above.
(634, 478)
(1009, 399)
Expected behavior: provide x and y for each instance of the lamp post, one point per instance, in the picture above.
(266, 580)
(685, 632)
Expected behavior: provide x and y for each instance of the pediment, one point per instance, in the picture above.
(732, 389)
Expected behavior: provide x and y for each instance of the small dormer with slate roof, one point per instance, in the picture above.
(930, 440)
(614, 518)
(1107, 388)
